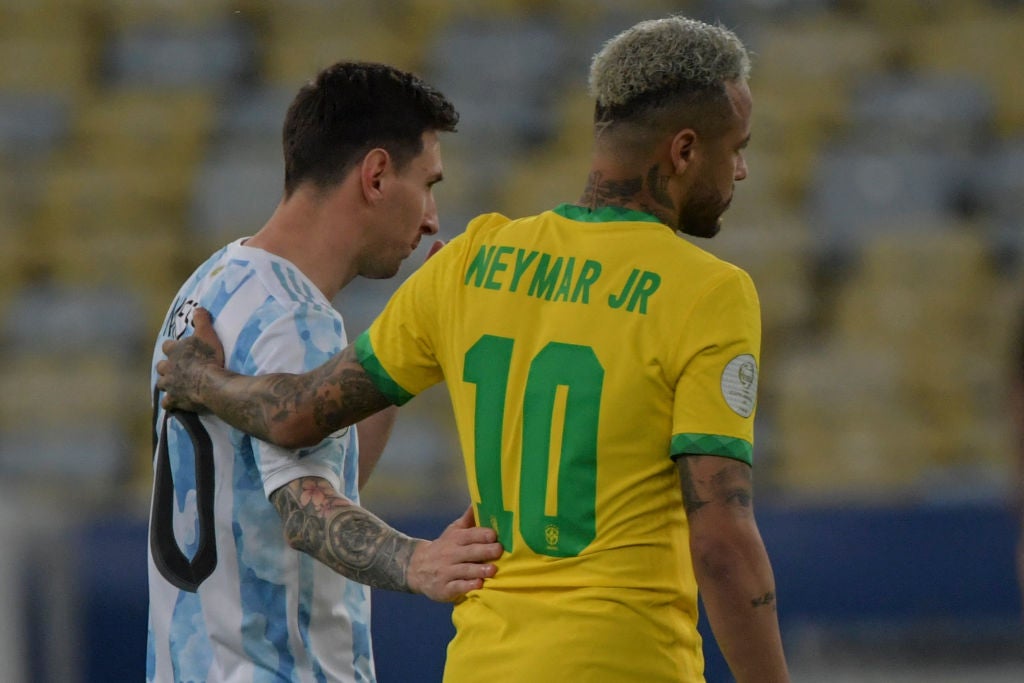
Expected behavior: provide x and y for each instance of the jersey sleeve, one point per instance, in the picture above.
(716, 392)
(400, 350)
(296, 340)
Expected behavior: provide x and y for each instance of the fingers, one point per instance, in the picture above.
(464, 578)
(456, 589)
(462, 535)
(201, 317)
(168, 346)
(482, 552)
(434, 248)
(478, 544)
(458, 561)
(466, 521)
(202, 321)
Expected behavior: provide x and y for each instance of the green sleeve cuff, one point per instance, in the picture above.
(378, 375)
(712, 444)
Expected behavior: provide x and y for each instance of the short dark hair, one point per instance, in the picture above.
(351, 108)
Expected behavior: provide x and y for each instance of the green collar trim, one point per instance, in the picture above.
(606, 214)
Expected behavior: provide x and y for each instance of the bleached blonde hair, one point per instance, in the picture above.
(660, 60)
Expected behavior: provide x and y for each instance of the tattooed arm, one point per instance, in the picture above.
(733, 572)
(292, 411)
(353, 542)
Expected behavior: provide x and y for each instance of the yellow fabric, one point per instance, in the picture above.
(596, 582)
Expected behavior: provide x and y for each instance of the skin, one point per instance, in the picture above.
(732, 567)
(353, 542)
(365, 226)
(685, 180)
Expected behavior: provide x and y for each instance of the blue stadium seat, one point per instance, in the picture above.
(218, 54)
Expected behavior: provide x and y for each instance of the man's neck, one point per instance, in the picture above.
(295, 232)
(640, 191)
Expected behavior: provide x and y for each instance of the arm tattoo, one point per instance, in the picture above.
(337, 394)
(347, 538)
(691, 499)
(729, 485)
(766, 600)
(340, 391)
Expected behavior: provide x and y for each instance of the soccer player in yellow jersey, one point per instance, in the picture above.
(603, 373)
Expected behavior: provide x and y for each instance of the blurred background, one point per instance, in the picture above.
(881, 221)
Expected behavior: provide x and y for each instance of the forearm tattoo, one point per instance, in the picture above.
(730, 485)
(345, 537)
(335, 395)
(341, 390)
(766, 600)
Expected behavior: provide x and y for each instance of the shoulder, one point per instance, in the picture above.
(268, 285)
(697, 264)
(487, 222)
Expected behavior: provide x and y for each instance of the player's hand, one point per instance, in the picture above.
(456, 563)
(182, 373)
(434, 248)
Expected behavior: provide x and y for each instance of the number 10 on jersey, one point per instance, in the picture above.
(562, 395)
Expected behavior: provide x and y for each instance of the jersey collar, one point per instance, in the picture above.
(606, 214)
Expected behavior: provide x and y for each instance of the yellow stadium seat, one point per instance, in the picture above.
(127, 13)
(911, 282)
(303, 38)
(775, 249)
(842, 429)
(982, 47)
(82, 197)
(46, 64)
(542, 182)
(137, 125)
(48, 390)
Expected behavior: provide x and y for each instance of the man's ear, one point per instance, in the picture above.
(683, 149)
(372, 171)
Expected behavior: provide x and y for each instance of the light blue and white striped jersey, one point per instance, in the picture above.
(229, 599)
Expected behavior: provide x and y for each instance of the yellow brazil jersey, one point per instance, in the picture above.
(582, 350)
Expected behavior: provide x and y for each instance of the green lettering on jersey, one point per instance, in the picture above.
(497, 266)
(561, 410)
(563, 289)
(523, 261)
(648, 285)
(639, 287)
(543, 284)
(588, 275)
(617, 301)
(480, 265)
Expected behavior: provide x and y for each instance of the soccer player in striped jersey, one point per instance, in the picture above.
(603, 373)
(232, 598)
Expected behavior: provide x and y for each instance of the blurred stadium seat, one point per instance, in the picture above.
(159, 55)
(919, 110)
(63, 421)
(856, 193)
(135, 136)
(997, 188)
(985, 45)
(234, 192)
(138, 135)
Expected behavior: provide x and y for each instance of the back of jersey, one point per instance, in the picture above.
(582, 351)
